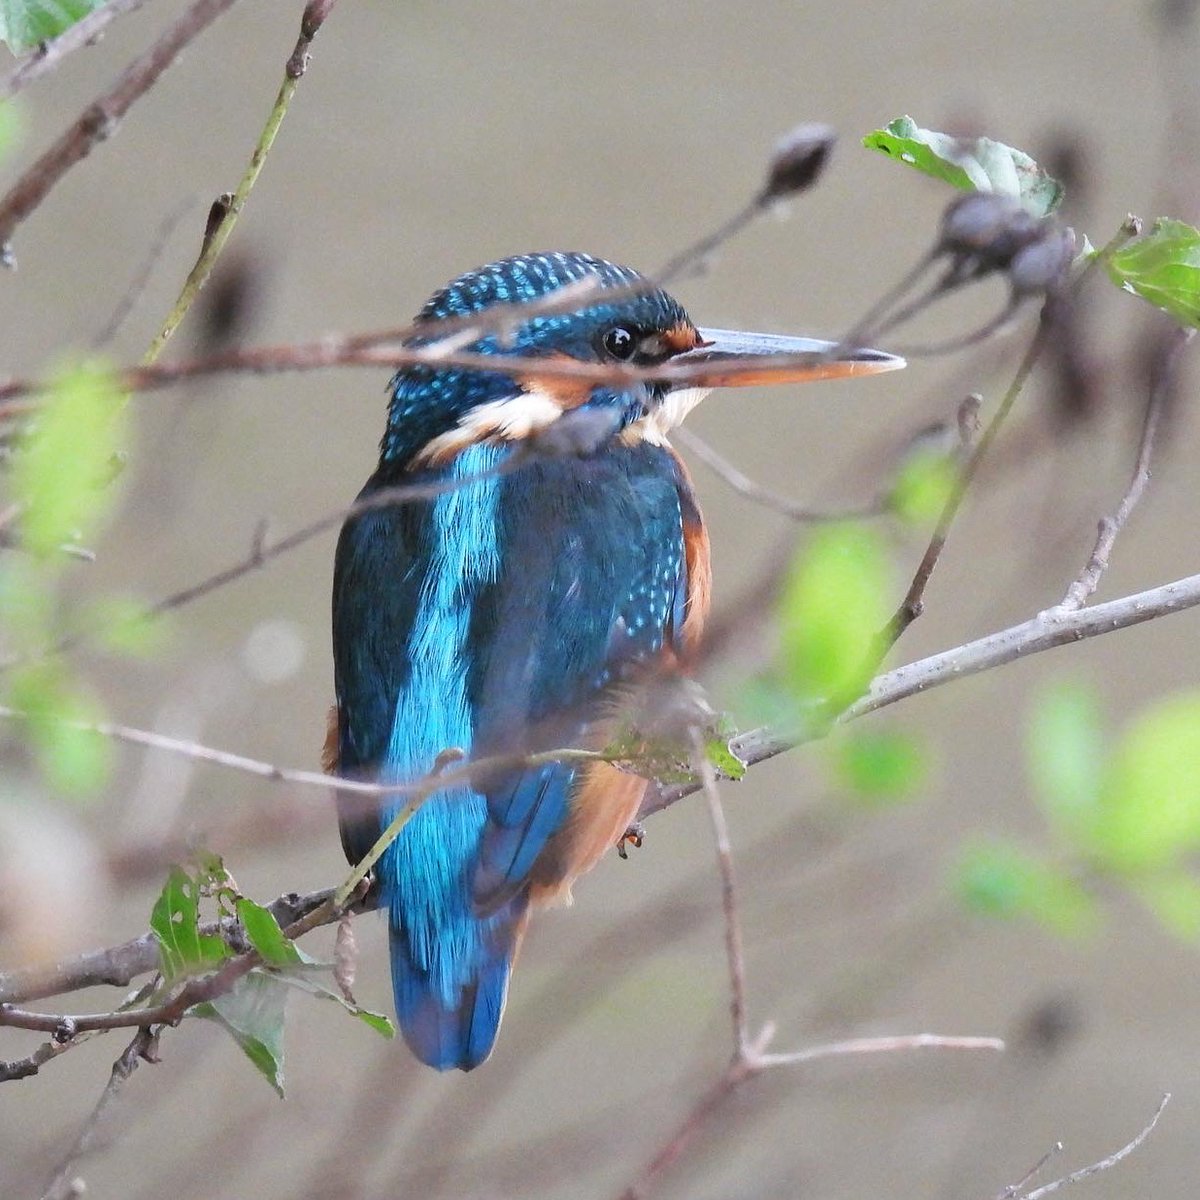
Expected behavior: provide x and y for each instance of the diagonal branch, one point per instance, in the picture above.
(100, 119)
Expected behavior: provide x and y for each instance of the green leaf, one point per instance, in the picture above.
(1149, 812)
(999, 879)
(264, 934)
(718, 752)
(1174, 898)
(25, 23)
(923, 485)
(833, 606)
(10, 126)
(1067, 756)
(374, 1020)
(175, 922)
(75, 760)
(1163, 267)
(880, 765)
(123, 626)
(971, 163)
(253, 1013)
(60, 474)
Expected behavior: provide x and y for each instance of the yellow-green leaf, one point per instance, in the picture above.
(1163, 267)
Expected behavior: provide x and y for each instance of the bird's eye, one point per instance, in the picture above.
(620, 343)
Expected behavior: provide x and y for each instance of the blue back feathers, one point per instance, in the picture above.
(492, 618)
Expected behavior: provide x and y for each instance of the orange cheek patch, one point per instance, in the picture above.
(565, 392)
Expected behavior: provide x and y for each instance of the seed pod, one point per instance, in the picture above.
(797, 161)
(1042, 265)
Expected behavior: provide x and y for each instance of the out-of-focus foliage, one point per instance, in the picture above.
(999, 878)
(923, 485)
(25, 23)
(61, 487)
(971, 163)
(834, 605)
(879, 765)
(1163, 267)
(1124, 814)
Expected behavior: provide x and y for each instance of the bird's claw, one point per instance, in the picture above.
(633, 836)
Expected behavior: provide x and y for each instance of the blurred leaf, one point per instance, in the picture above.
(880, 765)
(999, 879)
(252, 1013)
(718, 752)
(971, 163)
(123, 626)
(1163, 267)
(267, 938)
(833, 606)
(924, 483)
(74, 760)
(1149, 811)
(1067, 757)
(1174, 898)
(374, 1020)
(25, 23)
(10, 126)
(175, 923)
(58, 474)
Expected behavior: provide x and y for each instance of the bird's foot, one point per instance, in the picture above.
(633, 836)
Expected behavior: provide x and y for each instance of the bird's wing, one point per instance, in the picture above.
(377, 582)
(594, 581)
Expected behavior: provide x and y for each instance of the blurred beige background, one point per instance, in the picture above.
(428, 138)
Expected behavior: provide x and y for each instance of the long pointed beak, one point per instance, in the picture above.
(745, 359)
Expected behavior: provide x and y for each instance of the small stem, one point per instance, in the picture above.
(214, 242)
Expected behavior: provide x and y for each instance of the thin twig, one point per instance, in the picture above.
(63, 1184)
(734, 948)
(49, 55)
(100, 119)
(315, 12)
(1110, 527)
(756, 1060)
(744, 485)
(1105, 1163)
(120, 964)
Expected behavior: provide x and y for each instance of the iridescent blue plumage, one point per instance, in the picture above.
(499, 617)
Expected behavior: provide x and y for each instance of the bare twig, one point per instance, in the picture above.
(734, 949)
(23, 1068)
(118, 965)
(49, 55)
(756, 1060)
(1110, 527)
(752, 490)
(63, 1185)
(1105, 1163)
(100, 119)
(315, 12)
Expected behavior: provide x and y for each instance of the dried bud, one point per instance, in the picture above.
(797, 161)
(990, 227)
(1042, 265)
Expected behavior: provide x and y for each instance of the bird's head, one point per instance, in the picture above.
(436, 411)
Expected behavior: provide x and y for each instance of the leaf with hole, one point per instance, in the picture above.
(970, 163)
(175, 922)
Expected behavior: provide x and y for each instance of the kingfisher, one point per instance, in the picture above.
(507, 612)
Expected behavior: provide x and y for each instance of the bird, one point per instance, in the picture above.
(506, 611)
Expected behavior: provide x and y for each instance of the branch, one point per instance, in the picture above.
(49, 55)
(315, 12)
(99, 120)
(1018, 1193)
(755, 1061)
(120, 964)
(1110, 527)
(63, 1185)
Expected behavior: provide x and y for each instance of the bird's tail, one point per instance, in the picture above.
(459, 1030)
